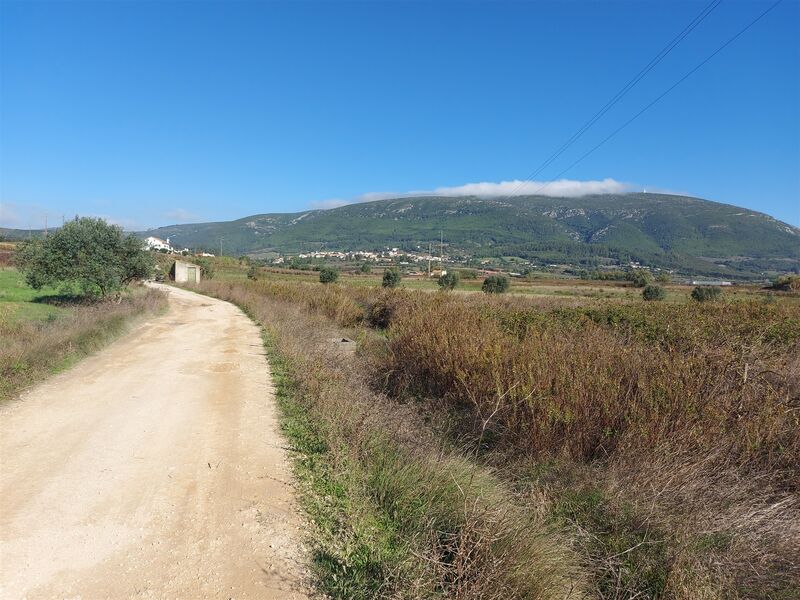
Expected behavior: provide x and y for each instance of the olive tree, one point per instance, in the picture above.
(328, 275)
(391, 277)
(88, 255)
(449, 280)
(706, 293)
(639, 277)
(495, 284)
(654, 292)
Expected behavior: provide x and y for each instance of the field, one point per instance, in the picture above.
(540, 285)
(44, 331)
(566, 440)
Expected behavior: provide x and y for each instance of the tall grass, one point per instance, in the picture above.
(715, 403)
(588, 392)
(33, 349)
(400, 513)
(665, 438)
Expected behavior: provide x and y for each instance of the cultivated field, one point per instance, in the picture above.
(550, 443)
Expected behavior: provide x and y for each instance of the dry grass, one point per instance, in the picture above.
(32, 349)
(588, 392)
(664, 438)
(697, 430)
(418, 518)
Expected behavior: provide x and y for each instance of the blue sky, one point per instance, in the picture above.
(151, 113)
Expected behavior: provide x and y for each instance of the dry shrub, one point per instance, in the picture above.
(381, 307)
(714, 409)
(586, 393)
(687, 418)
(464, 532)
(725, 525)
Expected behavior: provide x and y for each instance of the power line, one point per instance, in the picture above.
(709, 8)
(667, 91)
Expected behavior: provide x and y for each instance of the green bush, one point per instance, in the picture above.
(391, 277)
(448, 281)
(328, 275)
(654, 292)
(640, 277)
(787, 283)
(252, 273)
(88, 254)
(365, 268)
(706, 293)
(495, 284)
(207, 268)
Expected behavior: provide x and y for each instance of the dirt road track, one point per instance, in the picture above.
(152, 470)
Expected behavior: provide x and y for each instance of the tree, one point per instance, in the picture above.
(787, 283)
(706, 293)
(252, 272)
(495, 284)
(88, 254)
(654, 292)
(391, 277)
(365, 268)
(449, 280)
(640, 277)
(328, 275)
(663, 277)
(207, 268)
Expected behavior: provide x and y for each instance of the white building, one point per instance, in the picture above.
(154, 243)
(184, 272)
(717, 282)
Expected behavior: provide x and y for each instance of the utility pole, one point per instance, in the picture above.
(441, 246)
(45, 226)
(429, 259)
(220, 246)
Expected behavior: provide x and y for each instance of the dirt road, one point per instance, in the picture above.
(152, 470)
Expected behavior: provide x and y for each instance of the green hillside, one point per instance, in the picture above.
(679, 232)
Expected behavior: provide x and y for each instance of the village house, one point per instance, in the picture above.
(718, 282)
(155, 243)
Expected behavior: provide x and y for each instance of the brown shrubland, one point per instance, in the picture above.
(656, 443)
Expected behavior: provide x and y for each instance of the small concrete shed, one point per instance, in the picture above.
(184, 272)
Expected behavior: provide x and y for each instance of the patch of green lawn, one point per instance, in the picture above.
(20, 302)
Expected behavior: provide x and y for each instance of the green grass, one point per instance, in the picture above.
(353, 549)
(633, 559)
(19, 302)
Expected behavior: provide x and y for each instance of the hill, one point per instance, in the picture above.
(677, 232)
(690, 235)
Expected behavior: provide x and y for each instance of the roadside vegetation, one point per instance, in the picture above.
(477, 444)
(70, 295)
(85, 257)
(44, 332)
